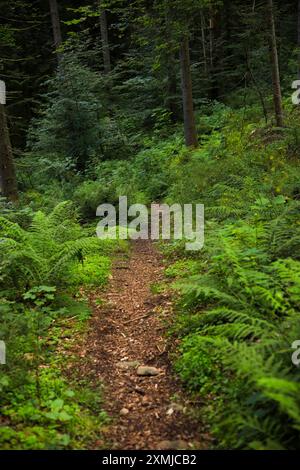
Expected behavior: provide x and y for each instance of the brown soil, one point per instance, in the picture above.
(130, 326)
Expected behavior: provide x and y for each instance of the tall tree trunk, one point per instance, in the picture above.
(57, 36)
(257, 87)
(215, 53)
(203, 39)
(298, 38)
(104, 40)
(8, 183)
(187, 95)
(275, 68)
(171, 102)
(171, 71)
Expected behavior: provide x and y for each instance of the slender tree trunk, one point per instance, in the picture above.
(187, 95)
(57, 36)
(104, 40)
(257, 87)
(171, 102)
(298, 38)
(211, 42)
(170, 60)
(275, 68)
(8, 183)
(203, 39)
(215, 53)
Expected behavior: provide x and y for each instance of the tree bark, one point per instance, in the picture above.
(105, 42)
(275, 68)
(298, 38)
(215, 53)
(171, 102)
(257, 87)
(203, 39)
(8, 182)
(57, 36)
(190, 131)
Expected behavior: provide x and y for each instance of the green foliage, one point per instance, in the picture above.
(200, 364)
(59, 418)
(66, 128)
(43, 253)
(96, 136)
(40, 408)
(44, 260)
(143, 179)
(182, 268)
(93, 271)
(40, 295)
(240, 296)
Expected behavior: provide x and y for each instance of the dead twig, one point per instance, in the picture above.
(137, 318)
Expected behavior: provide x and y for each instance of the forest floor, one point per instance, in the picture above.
(128, 350)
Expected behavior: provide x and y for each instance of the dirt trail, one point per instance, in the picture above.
(128, 330)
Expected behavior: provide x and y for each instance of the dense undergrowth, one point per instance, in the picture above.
(104, 109)
(239, 308)
(240, 296)
(238, 314)
(46, 260)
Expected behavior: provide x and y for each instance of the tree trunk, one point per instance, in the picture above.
(298, 38)
(171, 102)
(57, 36)
(275, 68)
(104, 40)
(187, 95)
(215, 54)
(203, 39)
(8, 183)
(257, 87)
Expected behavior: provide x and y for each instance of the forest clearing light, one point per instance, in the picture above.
(163, 222)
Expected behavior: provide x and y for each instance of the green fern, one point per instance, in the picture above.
(43, 253)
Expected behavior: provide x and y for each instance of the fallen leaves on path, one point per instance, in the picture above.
(127, 350)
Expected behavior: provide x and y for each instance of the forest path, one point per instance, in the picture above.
(128, 330)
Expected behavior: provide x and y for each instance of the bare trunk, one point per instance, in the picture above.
(275, 68)
(215, 53)
(171, 102)
(298, 42)
(204, 42)
(105, 43)
(187, 95)
(211, 40)
(8, 184)
(258, 89)
(57, 36)
(171, 88)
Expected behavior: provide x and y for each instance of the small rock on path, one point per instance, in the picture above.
(127, 350)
